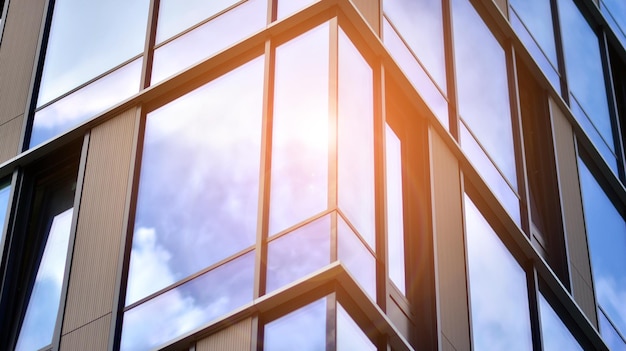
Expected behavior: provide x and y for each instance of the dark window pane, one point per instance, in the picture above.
(349, 335)
(357, 259)
(356, 139)
(555, 335)
(299, 253)
(189, 306)
(208, 39)
(606, 234)
(303, 329)
(199, 183)
(420, 23)
(299, 185)
(395, 218)
(498, 293)
(287, 7)
(43, 305)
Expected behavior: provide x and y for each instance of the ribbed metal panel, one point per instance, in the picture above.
(100, 222)
(567, 164)
(93, 336)
(371, 11)
(234, 338)
(450, 251)
(17, 54)
(10, 133)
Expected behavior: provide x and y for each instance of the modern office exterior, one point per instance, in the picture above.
(313, 175)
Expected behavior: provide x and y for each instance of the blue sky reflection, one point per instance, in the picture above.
(5, 190)
(303, 329)
(555, 335)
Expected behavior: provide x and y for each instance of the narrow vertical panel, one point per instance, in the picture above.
(574, 230)
(237, 337)
(10, 133)
(449, 244)
(370, 11)
(93, 336)
(98, 237)
(17, 54)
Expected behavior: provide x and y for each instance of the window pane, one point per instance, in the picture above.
(609, 334)
(357, 259)
(189, 306)
(498, 292)
(73, 57)
(483, 90)
(298, 253)
(303, 329)
(299, 179)
(615, 13)
(287, 7)
(5, 191)
(43, 305)
(395, 218)
(555, 335)
(199, 183)
(356, 139)
(208, 39)
(420, 23)
(606, 234)
(349, 335)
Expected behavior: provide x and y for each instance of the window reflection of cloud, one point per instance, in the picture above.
(395, 220)
(199, 180)
(299, 178)
(43, 305)
(356, 258)
(356, 139)
(421, 25)
(555, 335)
(303, 329)
(483, 87)
(189, 306)
(208, 39)
(499, 300)
(85, 103)
(349, 335)
(81, 38)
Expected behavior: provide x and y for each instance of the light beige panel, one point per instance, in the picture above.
(93, 336)
(370, 9)
(450, 251)
(237, 337)
(572, 210)
(10, 133)
(446, 345)
(17, 55)
(503, 6)
(100, 222)
(399, 319)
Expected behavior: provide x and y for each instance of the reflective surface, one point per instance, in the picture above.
(498, 292)
(615, 13)
(612, 338)
(287, 7)
(5, 191)
(298, 253)
(554, 334)
(189, 306)
(606, 234)
(349, 335)
(81, 40)
(286, 333)
(395, 217)
(299, 175)
(43, 305)
(199, 183)
(356, 140)
(208, 39)
(357, 259)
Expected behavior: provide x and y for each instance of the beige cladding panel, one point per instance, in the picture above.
(370, 11)
(93, 336)
(503, 6)
(10, 133)
(237, 337)
(17, 55)
(100, 224)
(567, 164)
(450, 248)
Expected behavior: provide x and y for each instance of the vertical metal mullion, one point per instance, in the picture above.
(380, 188)
(9, 215)
(560, 56)
(466, 260)
(333, 132)
(331, 321)
(533, 304)
(448, 38)
(148, 51)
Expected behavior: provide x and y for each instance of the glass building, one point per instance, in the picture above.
(313, 175)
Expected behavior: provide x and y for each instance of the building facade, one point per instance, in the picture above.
(313, 175)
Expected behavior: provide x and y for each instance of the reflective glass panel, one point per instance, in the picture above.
(287, 7)
(554, 334)
(585, 74)
(81, 105)
(189, 306)
(208, 39)
(5, 191)
(615, 13)
(606, 234)
(43, 305)
(298, 253)
(420, 23)
(81, 39)
(498, 293)
(612, 338)
(356, 139)
(357, 259)
(199, 184)
(395, 217)
(349, 335)
(483, 90)
(303, 329)
(299, 176)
